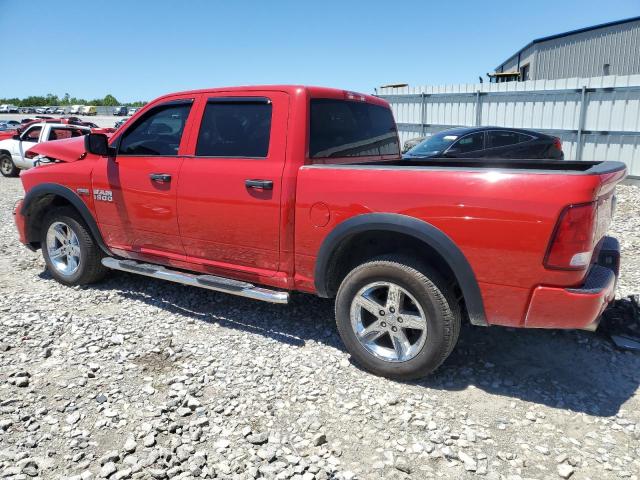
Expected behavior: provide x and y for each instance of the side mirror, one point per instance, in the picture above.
(97, 143)
(16, 136)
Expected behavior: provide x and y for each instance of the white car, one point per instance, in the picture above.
(8, 109)
(12, 150)
(75, 109)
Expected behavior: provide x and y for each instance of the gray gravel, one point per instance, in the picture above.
(136, 378)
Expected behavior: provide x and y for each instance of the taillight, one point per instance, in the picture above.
(572, 241)
(557, 143)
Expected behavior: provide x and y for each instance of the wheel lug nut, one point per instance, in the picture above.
(383, 324)
(382, 312)
(391, 309)
(394, 329)
(399, 319)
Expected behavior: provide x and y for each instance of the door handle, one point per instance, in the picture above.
(160, 177)
(260, 184)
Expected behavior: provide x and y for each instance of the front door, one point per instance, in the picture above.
(230, 184)
(135, 190)
(28, 139)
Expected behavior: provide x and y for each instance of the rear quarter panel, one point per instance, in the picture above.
(501, 220)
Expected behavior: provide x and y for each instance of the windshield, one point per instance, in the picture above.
(435, 144)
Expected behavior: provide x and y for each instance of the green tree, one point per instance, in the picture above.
(110, 101)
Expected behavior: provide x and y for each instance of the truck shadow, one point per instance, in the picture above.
(579, 371)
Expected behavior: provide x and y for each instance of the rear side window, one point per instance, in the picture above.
(341, 128)
(158, 132)
(235, 128)
(497, 138)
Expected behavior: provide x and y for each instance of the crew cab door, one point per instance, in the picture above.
(28, 139)
(135, 190)
(230, 184)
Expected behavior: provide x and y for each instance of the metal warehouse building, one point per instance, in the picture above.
(608, 49)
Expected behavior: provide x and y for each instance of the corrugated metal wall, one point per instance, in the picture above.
(597, 118)
(583, 54)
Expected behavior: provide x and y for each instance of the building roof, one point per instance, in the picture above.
(570, 32)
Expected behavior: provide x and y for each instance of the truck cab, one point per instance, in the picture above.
(13, 150)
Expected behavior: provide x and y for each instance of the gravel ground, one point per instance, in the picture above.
(136, 378)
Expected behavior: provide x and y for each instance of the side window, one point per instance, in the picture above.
(235, 128)
(158, 132)
(32, 134)
(500, 138)
(469, 143)
(59, 133)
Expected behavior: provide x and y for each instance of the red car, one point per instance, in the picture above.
(257, 191)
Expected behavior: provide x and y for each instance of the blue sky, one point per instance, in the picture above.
(137, 50)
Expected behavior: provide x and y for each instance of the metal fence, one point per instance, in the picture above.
(597, 118)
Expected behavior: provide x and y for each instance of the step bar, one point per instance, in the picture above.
(209, 282)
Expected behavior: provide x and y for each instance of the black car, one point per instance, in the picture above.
(488, 142)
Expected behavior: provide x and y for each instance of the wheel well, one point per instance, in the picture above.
(364, 246)
(36, 213)
(7, 152)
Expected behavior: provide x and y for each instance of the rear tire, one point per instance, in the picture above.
(7, 167)
(70, 252)
(396, 318)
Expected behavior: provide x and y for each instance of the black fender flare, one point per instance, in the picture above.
(416, 228)
(56, 189)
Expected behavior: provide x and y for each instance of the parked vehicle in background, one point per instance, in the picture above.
(50, 110)
(27, 110)
(9, 124)
(8, 109)
(412, 142)
(488, 142)
(304, 188)
(60, 111)
(120, 111)
(121, 122)
(13, 150)
(75, 109)
(132, 110)
(41, 110)
(88, 110)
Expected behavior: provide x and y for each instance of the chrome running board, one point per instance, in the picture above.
(210, 282)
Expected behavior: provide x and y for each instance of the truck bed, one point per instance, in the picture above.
(534, 165)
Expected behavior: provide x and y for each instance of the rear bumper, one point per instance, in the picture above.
(581, 307)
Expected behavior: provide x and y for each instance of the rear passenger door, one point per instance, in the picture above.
(230, 183)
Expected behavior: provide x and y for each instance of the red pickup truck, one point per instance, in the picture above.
(258, 191)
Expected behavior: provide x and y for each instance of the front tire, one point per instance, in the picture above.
(70, 252)
(7, 167)
(397, 319)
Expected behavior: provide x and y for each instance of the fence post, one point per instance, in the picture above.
(581, 119)
(478, 109)
(422, 114)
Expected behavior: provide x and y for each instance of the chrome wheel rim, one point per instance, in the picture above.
(388, 322)
(63, 248)
(6, 165)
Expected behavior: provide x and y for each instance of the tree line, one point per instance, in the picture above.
(51, 100)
